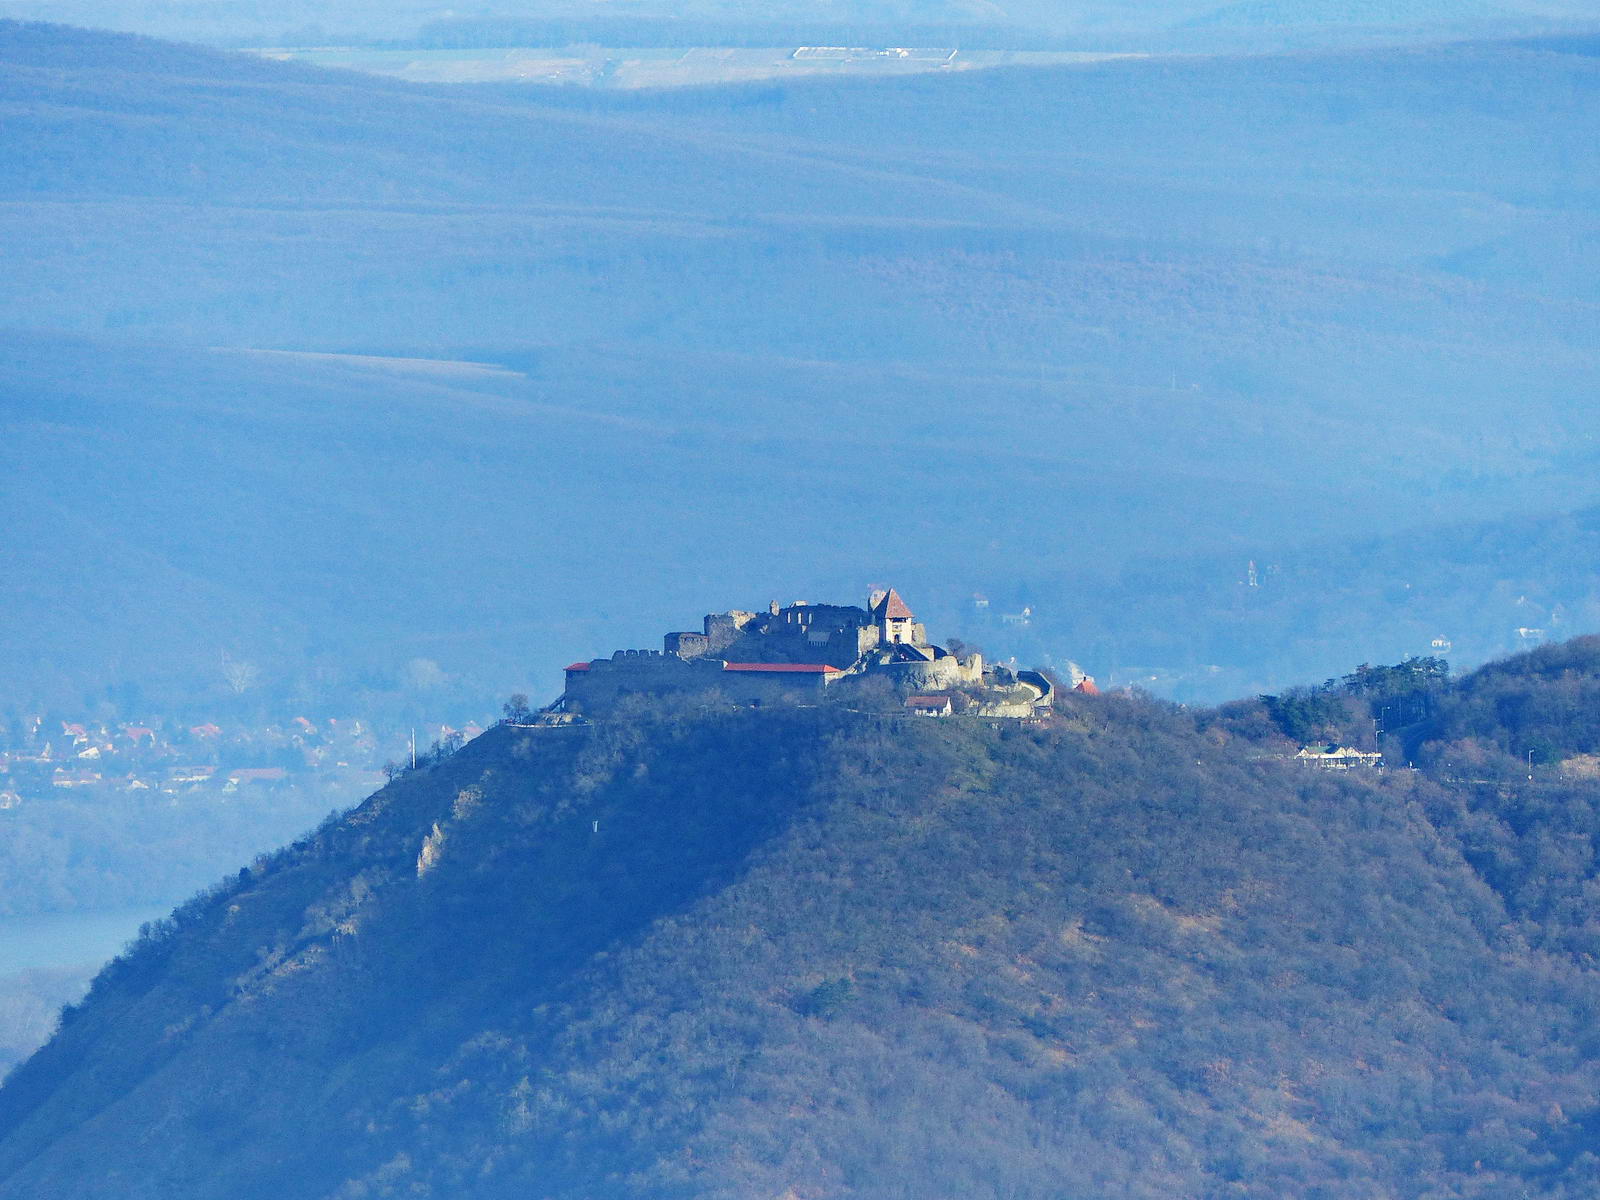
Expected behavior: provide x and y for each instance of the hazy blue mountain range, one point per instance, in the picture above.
(815, 951)
(401, 397)
(1004, 332)
(1184, 24)
(1196, 628)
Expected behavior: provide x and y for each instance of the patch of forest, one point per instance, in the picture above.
(707, 952)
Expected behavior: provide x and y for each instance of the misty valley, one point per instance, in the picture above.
(928, 600)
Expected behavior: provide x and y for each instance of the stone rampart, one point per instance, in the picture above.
(602, 683)
(930, 675)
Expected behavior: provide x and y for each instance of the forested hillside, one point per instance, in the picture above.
(816, 952)
(325, 399)
(1514, 747)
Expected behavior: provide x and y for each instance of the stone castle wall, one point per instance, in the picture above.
(848, 638)
(653, 673)
(933, 675)
(820, 633)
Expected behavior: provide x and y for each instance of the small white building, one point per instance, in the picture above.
(1338, 758)
(929, 704)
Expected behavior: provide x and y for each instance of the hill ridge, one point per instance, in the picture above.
(845, 954)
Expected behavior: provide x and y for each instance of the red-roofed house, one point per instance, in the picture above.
(931, 705)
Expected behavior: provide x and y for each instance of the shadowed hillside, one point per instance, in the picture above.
(810, 952)
(1514, 744)
(318, 386)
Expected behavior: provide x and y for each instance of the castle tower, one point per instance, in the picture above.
(895, 621)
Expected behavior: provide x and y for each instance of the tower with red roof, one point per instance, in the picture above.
(896, 623)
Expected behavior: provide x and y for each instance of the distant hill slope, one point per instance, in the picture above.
(1532, 711)
(1469, 591)
(1053, 320)
(1186, 25)
(169, 507)
(1514, 745)
(815, 953)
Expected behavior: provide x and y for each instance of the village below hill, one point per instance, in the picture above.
(346, 757)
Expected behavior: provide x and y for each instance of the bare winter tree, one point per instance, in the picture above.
(241, 676)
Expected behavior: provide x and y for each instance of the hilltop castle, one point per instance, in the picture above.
(801, 650)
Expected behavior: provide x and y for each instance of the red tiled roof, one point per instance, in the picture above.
(1087, 687)
(785, 668)
(927, 701)
(893, 606)
(578, 667)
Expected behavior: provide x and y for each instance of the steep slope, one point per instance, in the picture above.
(815, 952)
(1512, 761)
(1536, 707)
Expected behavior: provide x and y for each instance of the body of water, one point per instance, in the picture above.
(84, 939)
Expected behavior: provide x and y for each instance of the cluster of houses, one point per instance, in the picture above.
(40, 757)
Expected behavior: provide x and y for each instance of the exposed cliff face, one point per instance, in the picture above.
(817, 953)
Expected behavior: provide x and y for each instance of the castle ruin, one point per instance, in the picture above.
(797, 652)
